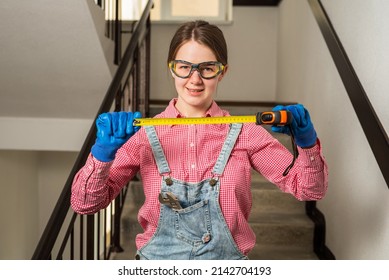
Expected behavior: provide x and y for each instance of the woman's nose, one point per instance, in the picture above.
(195, 76)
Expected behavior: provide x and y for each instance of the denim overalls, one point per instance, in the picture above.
(191, 225)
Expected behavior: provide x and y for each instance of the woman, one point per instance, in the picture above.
(196, 178)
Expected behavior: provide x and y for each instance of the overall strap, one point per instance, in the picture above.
(228, 145)
(159, 156)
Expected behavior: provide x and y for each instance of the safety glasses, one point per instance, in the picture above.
(207, 70)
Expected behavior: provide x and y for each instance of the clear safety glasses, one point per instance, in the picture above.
(207, 70)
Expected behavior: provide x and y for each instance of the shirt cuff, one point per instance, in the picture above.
(312, 156)
(95, 168)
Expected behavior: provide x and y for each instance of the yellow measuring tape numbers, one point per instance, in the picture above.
(188, 121)
(281, 117)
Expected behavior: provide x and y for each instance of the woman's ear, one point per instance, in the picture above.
(221, 76)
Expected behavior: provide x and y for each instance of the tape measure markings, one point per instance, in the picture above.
(189, 121)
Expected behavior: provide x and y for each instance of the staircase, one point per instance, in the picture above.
(283, 230)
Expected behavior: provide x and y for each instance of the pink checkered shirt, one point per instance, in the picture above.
(191, 151)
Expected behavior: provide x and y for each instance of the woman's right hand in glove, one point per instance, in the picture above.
(113, 130)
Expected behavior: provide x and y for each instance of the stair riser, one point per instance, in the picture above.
(259, 253)
(275, 201)
(283, 235)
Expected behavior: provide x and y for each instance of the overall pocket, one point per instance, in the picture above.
(193, 223)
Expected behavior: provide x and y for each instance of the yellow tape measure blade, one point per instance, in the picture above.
(189, 121)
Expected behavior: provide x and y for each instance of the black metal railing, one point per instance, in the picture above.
(71, 236)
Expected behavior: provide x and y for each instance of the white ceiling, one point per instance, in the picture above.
(52, 64)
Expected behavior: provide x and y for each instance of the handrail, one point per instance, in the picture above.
(371, 125)
(129, 83)
(319, 233)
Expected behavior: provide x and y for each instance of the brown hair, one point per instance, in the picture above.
(202, 32)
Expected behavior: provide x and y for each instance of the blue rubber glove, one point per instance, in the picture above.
(302, 128)
(113, 130)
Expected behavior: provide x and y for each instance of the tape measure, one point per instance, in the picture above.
(282, 117)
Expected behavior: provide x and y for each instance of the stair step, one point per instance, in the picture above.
(269, 198)
(282, 229)
(265, 252)
(257, 177)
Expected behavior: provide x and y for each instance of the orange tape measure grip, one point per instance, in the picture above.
(281, 117)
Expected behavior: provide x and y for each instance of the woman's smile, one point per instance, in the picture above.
(195, 91)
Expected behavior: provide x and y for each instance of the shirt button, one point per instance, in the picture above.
(312, 158)
(193, 166)
(192, 145)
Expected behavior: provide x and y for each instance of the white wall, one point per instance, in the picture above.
(357, 202)
(31, 182)
(252, 41)
(18, 204)
(54, 169)
(363, 27)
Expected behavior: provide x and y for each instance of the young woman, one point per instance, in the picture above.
(196, 178)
